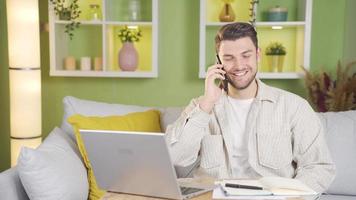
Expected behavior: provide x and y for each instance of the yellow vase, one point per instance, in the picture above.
(275, 63)
(227, 14)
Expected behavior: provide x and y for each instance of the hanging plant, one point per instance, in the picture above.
(253, 10)
(69, 12)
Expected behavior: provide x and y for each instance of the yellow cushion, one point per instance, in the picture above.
(139, 121)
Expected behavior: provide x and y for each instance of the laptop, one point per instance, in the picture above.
(134, 163)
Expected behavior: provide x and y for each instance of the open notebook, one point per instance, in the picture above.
(271, 186)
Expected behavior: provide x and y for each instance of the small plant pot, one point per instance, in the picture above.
(275, 63)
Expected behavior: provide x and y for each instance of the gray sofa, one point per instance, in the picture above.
(340, 129)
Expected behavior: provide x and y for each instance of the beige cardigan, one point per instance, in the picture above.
(285, 138)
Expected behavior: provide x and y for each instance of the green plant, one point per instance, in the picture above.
(252, 11)
(327, 94)
(275, 48)
(130, 34)
(67, 11)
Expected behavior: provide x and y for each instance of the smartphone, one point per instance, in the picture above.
(223, 83)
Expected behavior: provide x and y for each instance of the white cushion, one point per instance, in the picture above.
(11, 186)
(340, 131)
(74, 105)
(337, 197)
(54, 170)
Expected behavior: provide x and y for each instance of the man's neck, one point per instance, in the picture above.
(247, 93)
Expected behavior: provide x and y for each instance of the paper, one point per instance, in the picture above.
(271, 186)
(218, 193)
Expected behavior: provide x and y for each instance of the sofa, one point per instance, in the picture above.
(340, 132)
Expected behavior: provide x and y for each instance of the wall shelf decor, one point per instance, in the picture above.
(97, 38)
(294, 33)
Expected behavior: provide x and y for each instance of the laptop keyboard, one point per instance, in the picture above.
(189, 190)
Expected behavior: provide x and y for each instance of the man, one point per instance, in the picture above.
(249, 129)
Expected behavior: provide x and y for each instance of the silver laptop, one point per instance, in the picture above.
(134, 163)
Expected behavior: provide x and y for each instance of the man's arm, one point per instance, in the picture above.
(314, 164)
(184, 135)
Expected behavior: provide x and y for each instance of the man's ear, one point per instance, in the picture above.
(258, 54)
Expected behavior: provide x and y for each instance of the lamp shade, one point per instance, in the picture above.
(25, 75)
(23, 33)
(25, 103)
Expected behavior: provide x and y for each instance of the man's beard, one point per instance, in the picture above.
(240, 87)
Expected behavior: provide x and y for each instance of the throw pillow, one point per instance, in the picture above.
(140, 121)
(340, 132)
(54, 170)
(74, 106)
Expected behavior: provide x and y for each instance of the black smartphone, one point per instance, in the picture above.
(223, 83)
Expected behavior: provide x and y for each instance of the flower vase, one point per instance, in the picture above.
(275, 63)
(227, 14)
(128, 57)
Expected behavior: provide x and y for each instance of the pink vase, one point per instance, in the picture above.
(128, 57)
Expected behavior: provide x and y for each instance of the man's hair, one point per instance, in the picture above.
(235, 31)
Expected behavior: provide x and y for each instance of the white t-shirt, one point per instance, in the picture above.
(237, 116)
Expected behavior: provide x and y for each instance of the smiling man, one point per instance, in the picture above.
(246, 129)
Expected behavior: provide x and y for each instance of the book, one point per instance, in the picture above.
(277, 186)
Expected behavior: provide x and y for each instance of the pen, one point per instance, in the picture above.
(243, 186)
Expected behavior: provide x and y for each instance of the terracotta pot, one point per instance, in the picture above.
(128, 57)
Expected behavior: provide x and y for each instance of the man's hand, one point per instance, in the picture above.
(212, 91)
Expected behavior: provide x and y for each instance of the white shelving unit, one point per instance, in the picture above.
(301, 28)
(99, 39)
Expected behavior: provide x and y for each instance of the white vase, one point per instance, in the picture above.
(128, 57)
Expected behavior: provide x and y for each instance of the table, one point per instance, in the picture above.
(205, 182)
(201, 182)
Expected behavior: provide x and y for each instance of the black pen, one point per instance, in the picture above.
(243, 186)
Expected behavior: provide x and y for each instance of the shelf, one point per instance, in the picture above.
(81, 22)
(78, 73)
(281, 75)
(262, 24)
(294, 34)
(99, 39)
(129, 23)
(286, 23)
(272, 75)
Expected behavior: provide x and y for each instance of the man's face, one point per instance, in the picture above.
(239, 58)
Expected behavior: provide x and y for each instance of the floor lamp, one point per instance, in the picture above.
(25, 75)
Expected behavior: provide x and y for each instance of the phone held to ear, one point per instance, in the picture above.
(223, 83)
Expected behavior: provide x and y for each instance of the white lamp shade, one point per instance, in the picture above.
(25, 103)
(23, 33)
(16, 145)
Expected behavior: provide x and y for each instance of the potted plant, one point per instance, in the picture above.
(332, 93)
(128, 56)
(275, 53)
(67, 10)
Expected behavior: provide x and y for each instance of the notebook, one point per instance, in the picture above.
(134, 163)
(267, 186)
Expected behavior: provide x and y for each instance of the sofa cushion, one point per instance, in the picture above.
(340, 131)
(137, 121)
(74, 105)
(337, 197)
(54, 170)
(11, 186)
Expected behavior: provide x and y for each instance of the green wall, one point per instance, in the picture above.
(4, 93)
(350, 32)
(178, 80)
